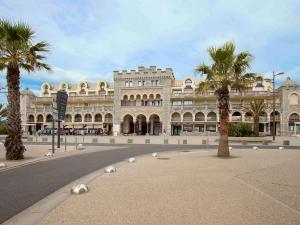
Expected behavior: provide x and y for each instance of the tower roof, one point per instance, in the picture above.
(289, 83)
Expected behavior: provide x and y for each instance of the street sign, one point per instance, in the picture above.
(61, 101)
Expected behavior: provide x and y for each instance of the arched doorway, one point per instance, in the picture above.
(154, 125)
(294, 120)
(141, 125)
(108, 124)
(187, 124)
(176, 123)
(128, 127)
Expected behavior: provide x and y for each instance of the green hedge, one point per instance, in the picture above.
(2, 129)
(240, 130)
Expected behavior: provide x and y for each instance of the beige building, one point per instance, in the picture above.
(149, 101)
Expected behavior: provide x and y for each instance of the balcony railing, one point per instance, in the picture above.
(195, 107)
(76, 98)
(48, 109)
(232, 93)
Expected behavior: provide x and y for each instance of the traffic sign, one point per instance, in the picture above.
(61, 101)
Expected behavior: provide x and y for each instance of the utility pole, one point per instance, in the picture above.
(273, 119)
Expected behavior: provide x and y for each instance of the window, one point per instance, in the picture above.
(176, 103)
(130, 83)
(156, 83)
(143, 83)
(187, 102)
(152, 82)
(140, 83)
(126, 84)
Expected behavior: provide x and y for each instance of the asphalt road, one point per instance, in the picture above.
(22, 187)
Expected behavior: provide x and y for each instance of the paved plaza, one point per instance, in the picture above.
(192, 187)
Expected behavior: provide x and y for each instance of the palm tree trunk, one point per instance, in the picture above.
(13, 143)
(223, 98)
(256, 126)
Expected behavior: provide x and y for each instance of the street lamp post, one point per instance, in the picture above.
(273, 119)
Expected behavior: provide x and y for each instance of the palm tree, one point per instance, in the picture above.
(228, 70)
(3, 112)
(17, 51)
(256, 108)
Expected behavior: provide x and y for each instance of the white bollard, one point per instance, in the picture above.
(2, 165)
(131, 160)
(230, 148)
(154, 155)
(281, 148)
(80, 147)
(49, 154)
(79, 189)
(255, 148)
(110, 169)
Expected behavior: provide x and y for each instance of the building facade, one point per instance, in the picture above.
(150, 101)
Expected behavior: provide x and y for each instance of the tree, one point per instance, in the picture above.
(3, 112)
(228, 70)
(17, 51)
(256, 108)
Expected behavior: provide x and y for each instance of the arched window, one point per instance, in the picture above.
(98, 117)
(212, 116)
(108, 118)
(294, 117)
(78, 118)
(49, 118)
(176, 117)
(199, 116)
(88, 118)
(31, 118)
(40, 118)
(68, 118)
(187, 117)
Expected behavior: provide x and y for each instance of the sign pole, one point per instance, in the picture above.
(58, 134)
(53, 124)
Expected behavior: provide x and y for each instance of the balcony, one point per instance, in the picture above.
(48, 109)
(77, 99)
(195, 107)
(211, 94)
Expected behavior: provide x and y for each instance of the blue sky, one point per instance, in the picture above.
(90, 39)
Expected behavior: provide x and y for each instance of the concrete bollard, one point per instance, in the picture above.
(131, 160)
(80, 147)
(49, 154)
(154, 155)
(2, 165)
(79, 189)
(110, 169)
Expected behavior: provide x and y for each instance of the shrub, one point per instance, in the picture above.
(239, 130)
(2, 129)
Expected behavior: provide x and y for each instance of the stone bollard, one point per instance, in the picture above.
(255, 148)
(155, 155)
(131, 160)
(79, 189)
(110, 169)
(2, 165)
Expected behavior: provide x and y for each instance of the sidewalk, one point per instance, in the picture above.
(35, 153)
(252, 188)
